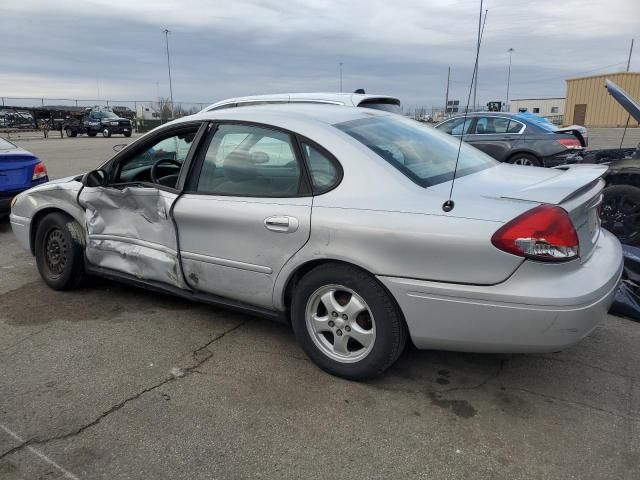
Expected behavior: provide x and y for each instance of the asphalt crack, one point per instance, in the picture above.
(199, 361)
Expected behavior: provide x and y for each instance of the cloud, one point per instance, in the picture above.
(222, 49)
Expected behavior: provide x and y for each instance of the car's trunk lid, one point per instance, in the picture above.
(16, 169)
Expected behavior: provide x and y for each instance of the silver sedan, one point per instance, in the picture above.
(337, 221)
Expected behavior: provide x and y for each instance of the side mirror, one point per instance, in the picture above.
(119, 146)
(94, 178)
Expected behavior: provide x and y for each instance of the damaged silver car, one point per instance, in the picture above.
(331, 218)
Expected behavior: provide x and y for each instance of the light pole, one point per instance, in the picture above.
(511, 50)
(166, 36)
(341, 77)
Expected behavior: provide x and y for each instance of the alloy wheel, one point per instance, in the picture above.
(340, 323)
(523, 161)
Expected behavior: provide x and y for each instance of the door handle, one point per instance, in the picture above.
(281, 223)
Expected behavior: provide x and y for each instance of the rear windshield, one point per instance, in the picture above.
(6, 145)
(423, 154)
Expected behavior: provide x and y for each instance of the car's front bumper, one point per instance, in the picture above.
(542, 307)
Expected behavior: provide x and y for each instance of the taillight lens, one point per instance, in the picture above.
(570, 143)
(544, 233)
(39, 171)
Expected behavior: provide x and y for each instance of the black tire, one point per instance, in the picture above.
(92, 134)
(106, 133)
(59, 249)
(390, 328)
(525, 159)
(127, 134)
(70, 133)
(621, 212)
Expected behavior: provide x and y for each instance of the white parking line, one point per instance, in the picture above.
(41, 455)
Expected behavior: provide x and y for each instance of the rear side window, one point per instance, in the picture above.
(324, 173)
(491, 125)
(251, 161)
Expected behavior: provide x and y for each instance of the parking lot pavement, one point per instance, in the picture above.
(110, 382)
(611, 137)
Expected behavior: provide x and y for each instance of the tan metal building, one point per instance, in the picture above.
(589, 104)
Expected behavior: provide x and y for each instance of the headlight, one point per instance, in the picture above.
(13, 201)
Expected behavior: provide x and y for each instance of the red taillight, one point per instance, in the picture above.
(39, 171)
(543, 233)
(570, 142)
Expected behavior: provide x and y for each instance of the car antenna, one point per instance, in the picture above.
(449, 204)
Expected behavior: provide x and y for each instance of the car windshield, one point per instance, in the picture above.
(423, 154)
(6, 145)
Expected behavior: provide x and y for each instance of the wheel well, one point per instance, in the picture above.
(35, 221)
(305, 268)
(523, 152)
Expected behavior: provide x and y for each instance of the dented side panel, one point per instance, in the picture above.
(130, 230)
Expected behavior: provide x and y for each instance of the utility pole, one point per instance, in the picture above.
(511, 50)
(446, 97)
(166, 36)
(341, 63)
(475, 87)
(630, 52)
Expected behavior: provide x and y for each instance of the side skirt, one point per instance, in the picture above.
(210, 299)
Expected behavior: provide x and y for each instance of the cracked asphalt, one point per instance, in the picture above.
(111, 382)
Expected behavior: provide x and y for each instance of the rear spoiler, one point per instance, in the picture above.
(575, 131)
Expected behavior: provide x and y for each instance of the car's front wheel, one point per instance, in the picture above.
(346, 322)
(59, 250)
(106, 133)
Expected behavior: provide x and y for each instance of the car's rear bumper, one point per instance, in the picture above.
(541, 307)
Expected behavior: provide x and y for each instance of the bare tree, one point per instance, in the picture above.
(163, 106)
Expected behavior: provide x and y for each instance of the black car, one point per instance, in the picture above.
(98, 121)
(519, 138)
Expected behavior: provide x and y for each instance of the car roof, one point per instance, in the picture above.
(288, 115)
(349, 99)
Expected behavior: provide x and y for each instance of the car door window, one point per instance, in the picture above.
(324, 172)
(168, 154)
(245, 160)
(491, 125)
(515, 127)
(455, 126)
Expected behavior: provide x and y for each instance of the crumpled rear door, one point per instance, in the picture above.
(129, 230)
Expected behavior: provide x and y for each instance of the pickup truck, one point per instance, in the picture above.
(98, 121)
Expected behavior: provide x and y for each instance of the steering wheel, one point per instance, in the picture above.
(154, 168)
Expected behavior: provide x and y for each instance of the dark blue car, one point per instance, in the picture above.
(19, 171)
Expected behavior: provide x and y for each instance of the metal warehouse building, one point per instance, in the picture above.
(589, 104)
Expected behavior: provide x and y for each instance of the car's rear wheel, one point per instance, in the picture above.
(70, 133)
(59, 251)
(106, 133)
(525, 159)
(621, 212)
(346, 322)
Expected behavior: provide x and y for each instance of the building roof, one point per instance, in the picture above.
(604, 75)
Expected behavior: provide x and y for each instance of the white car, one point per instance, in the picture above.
(356, 99)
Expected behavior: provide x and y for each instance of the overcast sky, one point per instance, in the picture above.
(115, 49)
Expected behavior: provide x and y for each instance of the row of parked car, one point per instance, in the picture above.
(514, 261)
